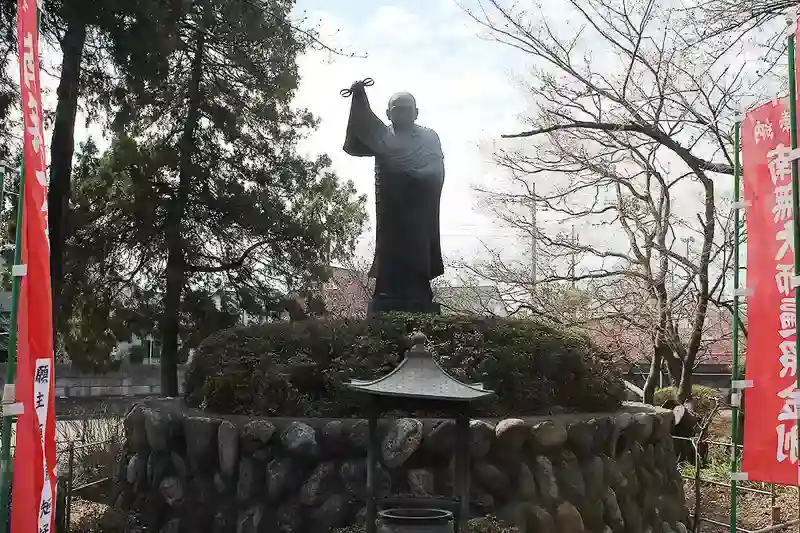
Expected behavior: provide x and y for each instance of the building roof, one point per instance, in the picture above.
(349, 291)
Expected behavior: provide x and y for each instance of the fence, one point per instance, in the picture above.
(96, 472)
(87, 466)
(709, 467)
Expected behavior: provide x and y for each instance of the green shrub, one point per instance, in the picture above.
(704, 398)
(300, 368)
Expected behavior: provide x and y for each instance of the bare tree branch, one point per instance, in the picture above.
(624, 147)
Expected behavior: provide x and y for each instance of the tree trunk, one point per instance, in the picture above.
(674, 366)
(685, 387)
(62, 149)
(176, 263)
(650, 384)
(660, 345)
(170, 322)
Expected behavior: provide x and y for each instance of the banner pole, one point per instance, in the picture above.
(795, 173)
(737, 170)
(11, 364)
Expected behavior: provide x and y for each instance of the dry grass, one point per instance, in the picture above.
(91, 517)
(754, 510)
(94, 445)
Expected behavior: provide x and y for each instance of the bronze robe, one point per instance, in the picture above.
(409, 174)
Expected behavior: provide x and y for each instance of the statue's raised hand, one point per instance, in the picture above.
(357, 86)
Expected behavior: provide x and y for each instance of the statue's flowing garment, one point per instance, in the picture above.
(409, 174)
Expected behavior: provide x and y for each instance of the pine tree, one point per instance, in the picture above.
(203, 188)
(95, 38)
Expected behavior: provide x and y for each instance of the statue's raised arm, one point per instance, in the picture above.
(366, 133)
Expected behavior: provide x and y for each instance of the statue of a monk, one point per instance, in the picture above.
(409, 174)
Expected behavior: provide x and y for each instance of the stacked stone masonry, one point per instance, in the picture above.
(186, 471)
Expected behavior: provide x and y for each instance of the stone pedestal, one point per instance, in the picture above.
(384, 304)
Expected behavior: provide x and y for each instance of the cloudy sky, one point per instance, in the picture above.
(466, 88)
(463, 84)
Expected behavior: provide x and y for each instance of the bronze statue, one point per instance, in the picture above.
(409, 173)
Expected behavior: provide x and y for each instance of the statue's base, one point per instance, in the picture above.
(387, 304)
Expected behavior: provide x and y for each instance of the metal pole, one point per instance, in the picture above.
(11, 364)
(70, 476)
(735, 363)
(775, 516)
(372, 458)
(463, 470)
(572, 258)
(533, 237)
(795, 192)
(4, 170)
(697, 499)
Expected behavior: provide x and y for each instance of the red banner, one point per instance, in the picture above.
(33, 501)
(770, 430)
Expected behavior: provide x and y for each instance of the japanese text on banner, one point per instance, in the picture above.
(34, 480)
(771, 446)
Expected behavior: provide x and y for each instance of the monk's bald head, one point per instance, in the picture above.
(402, 99)
(402, 110)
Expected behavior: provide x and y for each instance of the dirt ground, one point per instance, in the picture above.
(754, 510)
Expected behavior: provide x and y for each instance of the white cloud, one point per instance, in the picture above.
(461, 83)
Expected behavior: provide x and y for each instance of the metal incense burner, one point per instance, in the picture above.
(418, 382)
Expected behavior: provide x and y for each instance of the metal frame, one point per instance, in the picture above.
(776, 524)
(459, 501)
(738, 291)
(66, 483)
(6, 467)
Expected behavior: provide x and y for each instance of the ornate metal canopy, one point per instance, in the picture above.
(419, 376)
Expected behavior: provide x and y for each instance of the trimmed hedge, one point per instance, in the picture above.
(299, 368)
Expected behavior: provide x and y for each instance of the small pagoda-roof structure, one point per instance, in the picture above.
(419, 376)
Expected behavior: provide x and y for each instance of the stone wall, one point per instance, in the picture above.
(605, 473)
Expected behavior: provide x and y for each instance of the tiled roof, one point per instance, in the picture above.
(348, 292)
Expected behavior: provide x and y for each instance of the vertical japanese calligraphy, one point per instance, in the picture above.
(770, 434)
(33, 509)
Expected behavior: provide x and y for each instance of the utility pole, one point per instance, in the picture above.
(533, 237)
(574, 241)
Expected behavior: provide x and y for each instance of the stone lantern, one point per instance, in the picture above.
(419, 383)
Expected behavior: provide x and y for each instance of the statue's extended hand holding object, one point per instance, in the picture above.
(366, 82)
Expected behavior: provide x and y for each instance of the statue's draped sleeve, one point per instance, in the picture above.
(366, 133)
